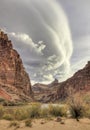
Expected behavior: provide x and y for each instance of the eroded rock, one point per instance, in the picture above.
(13, 77)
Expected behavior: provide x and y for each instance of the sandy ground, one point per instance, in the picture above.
(70, 124)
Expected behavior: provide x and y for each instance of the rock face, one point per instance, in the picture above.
(79, 82)
(45, 93)
(38, 87)
(13, 77)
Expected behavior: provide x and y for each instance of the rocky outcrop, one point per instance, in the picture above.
(38, 87)
(79, 82)
(45, 93)
(13, 77)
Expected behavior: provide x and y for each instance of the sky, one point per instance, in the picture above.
(51, 36)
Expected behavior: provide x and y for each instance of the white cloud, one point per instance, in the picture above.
(44, 38)
(48, 77)
(52, 63)
(39, 47)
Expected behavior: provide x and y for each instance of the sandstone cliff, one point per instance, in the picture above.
(14, 81)
(78, 83)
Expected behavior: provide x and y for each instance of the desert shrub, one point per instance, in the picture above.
(87, 111)
(1, 100)
(76, 104)
(14, 124)
(76, 107)
(8, 117)
(76, 111)
(2, 110)
(20, 114)
(86, 98)
(5, 103)
(28, 123)
(57, 111)
(20, 103)
(9, 110)
(44, 112)
(12, 103)
(34, 111)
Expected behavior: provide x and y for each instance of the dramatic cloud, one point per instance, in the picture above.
(78, 13)
(37, 48)
(41, 34)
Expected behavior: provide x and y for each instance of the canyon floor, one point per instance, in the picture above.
(70, 124)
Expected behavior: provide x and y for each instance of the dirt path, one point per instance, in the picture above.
(70, 124)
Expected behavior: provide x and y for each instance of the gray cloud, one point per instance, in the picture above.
(41, 34)
(78, 13)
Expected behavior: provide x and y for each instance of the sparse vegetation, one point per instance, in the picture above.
(77, 110)
(1, 111)
(8, 117)
(20, 114)
(34, 111)
(11, 103)
(87, 111)
(1, 100)
(76, 105)
(44, 112)
(57, 111)
(86, 99)
(28, 123)
(14, 124)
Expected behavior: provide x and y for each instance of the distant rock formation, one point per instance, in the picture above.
(38, 87)
(14, 81)
(44, 93)
(54, 83)
(79, 83)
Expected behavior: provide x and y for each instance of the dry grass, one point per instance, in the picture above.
(76, 104)
(8, 117)
(57, 111)
(14, 124)
(76, 107)
(28, 123)
(2, 110)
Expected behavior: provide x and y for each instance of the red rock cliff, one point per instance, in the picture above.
(79, 82)
(13, 77)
